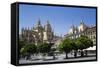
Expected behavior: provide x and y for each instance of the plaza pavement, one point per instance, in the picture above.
(59, 58)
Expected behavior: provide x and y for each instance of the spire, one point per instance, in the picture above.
(27, 28)
(38, 24)
(22, 30)
(47, 26)
(47, 23)
(82, 22)
(72, 26)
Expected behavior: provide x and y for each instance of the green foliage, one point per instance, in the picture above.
(44, 48)
(28, 49)
(31, 48)
(21, 44)
(53, 49)
(74, 45)
(65, 45)
(80, 43)
(23, 51)
(84, 42)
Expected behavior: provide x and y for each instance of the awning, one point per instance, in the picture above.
(91, 48)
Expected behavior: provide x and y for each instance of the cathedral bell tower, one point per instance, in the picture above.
(48, 34)
(38, 32)
(82, 26)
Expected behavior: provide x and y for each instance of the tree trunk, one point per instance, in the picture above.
(75, 53)
(54, 56)
(43, 56)
(66, 56)
(86, 53)
(82, 54)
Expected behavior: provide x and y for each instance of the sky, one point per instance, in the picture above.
(60, 18)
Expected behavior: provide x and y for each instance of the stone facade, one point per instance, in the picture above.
(38, 34)
(83, 29)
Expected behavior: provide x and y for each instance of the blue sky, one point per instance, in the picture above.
(60, 18)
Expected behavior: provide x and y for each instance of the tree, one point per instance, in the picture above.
(74, 47)
(31, 48)
(28, 50)
(52, 51)
(88, 43)
(21, 51)
(83, 42)
(44, 48)
(21, 44)
(65, 46)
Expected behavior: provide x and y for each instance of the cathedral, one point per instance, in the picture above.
(38, 34)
